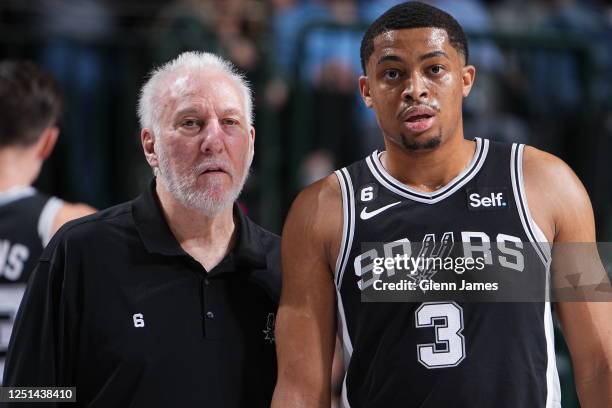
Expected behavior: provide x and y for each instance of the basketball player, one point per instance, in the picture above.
(30, 104)
(442, 354)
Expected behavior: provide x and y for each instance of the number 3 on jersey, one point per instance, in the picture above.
(446, 318)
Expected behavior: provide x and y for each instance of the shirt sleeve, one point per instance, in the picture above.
(42, 350)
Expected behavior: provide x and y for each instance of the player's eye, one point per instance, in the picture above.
(391, 74)
(436, 69)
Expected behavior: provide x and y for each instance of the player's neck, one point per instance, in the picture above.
(429, 170)
(17, 169)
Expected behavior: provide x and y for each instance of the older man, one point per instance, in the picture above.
(167, 300)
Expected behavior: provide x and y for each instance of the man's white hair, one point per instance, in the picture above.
(150, 103)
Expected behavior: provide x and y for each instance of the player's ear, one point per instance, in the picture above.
(468, 75)
(147, 139)
(364, 89)
(47, 142)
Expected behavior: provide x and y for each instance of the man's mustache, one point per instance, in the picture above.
(216, 165)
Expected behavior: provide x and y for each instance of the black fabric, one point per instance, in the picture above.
(504, 361)
(19, 227)
(20, 247)
(116, 308)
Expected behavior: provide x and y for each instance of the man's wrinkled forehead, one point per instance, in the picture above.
(187, 83)
(182, 86)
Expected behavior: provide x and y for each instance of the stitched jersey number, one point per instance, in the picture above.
(446, 318)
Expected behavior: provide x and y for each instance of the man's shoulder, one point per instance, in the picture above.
(108, 217)
(547, 170)
(541, 160)
(315, 219)
(269, 243)
(320, 193)
(88, 230)
(267, 247)
(269, 240)
(554, 192)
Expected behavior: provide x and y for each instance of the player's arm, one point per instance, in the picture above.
(587, 326)
(69, 212)
(306, 326)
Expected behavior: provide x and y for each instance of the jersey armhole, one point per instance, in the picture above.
(46, 219)
(543, 248)
(348, 223)
(532, 230)
(348, 227)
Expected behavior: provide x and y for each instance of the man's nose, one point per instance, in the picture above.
(213, 138)
(416, 89)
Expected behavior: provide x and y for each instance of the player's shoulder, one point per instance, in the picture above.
(319, 197)
(537, 160)
(316, 212)
(547, 170)
(327, 187)
(552, 182)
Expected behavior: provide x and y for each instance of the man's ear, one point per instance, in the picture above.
(251, 144)
(252, 135)
(47, 142)
(364, 89)
(147, 139)
(468, 75)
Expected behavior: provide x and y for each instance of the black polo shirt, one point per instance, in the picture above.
(116, 308)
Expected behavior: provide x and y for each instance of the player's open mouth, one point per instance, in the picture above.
(419, 123)
(418, 118)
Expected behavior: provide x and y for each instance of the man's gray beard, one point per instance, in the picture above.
(184, 191)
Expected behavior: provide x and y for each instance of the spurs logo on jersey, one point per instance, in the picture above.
(435, 354)
(507, 253)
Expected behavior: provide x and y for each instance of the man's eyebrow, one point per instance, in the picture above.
(232, 111)
(433, 54)
(386, 58)
(186, 111)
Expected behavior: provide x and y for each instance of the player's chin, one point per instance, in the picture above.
(425, 141)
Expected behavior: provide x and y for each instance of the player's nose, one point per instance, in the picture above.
(415, 88)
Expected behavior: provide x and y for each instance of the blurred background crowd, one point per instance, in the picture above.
(544, 77)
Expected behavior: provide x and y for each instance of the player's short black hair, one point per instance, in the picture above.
(413, 14)
(30, 101)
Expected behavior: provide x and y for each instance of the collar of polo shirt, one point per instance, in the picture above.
(158, 238)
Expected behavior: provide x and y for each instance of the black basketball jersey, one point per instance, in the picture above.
(443, 353)
(26, 219)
